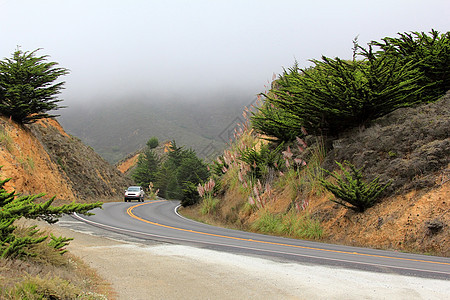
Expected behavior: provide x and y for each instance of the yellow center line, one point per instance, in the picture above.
(131, 214)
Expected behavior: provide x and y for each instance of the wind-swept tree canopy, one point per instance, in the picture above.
(27, 86)
(335, 94)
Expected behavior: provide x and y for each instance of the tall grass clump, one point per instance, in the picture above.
(302, 170)
(291, 224)
(268, 223)
(206, 192)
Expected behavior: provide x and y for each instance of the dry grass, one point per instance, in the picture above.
(291, 224)
(245, 198)
(26, 279)
(49, 274)
(6, 140)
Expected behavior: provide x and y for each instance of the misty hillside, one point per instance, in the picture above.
(121, 128)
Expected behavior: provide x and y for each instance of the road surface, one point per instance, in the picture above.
(158, 221)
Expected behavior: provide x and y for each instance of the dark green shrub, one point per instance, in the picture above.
(262, 160)
(350, 189)
(336, 95)
(277, 123)
(190, 195)
(153, 143)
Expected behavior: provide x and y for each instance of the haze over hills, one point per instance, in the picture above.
(123, 127)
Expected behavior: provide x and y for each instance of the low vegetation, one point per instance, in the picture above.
(351, 190)
(50, 275)
(26, 250)
(292, 224)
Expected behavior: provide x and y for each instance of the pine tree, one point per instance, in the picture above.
(181, 169)
(146, 168)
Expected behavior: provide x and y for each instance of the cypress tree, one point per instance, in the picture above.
(14, 207)
(27, 86)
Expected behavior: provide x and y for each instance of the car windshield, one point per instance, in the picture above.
(133, 189)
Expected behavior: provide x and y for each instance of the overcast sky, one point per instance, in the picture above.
(157, 49)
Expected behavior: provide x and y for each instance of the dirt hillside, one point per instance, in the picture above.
(42, 157)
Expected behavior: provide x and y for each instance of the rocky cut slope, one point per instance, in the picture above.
(43, 158)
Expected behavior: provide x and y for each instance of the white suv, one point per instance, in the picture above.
(134, 193)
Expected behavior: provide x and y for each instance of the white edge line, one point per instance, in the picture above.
(256, 249)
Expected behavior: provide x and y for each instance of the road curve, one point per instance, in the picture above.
(158, 220)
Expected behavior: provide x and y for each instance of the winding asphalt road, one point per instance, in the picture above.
(159, 221)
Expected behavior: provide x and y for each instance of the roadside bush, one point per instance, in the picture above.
(350, 190)
(260, 162)
(190, 195)
(48, 252)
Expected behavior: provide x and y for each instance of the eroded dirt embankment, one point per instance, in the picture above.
(24, 159)
(43, 158)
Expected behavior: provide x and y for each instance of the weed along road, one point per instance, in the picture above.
(159, 221)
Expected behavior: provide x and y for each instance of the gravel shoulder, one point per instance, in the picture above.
(166, 271)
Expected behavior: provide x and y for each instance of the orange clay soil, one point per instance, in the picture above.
(129, 163)
(403, 222)
(25, 160)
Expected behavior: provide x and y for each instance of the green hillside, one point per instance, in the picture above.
(117, 129)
